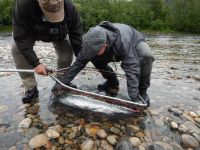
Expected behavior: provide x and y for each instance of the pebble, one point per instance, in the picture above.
(189, 141)
(92, 131)
(61, 140)
(26, 123)
(12, 148)
(135, 141)
(174, 125)
(124, 144)
(134, 128)
(153, 112)
(192, 128)
(193, 114)
(164, 145)
(197, 136)
(112, 139)
(87, 145)
(52, 134)
(59, 128)
(115, 130)
(105, 146)
(198, 113)
(38, 141)
(140, 135)
(197, 120)
(183, 128)
(176, 111)
(3, 108)
(101, 133)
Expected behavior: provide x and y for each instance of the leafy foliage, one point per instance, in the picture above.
(176, 15)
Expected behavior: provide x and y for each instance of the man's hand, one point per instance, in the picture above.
(40, 69)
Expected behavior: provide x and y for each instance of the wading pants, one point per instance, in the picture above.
(146, 59)
(64, 53)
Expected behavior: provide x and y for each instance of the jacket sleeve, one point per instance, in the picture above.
(22, 32)
(76, 31)
(77, 66)
(131, 67)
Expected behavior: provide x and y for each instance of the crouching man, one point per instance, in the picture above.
(114, 42)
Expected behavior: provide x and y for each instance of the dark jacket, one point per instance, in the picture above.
(122, 42)
(28, 27)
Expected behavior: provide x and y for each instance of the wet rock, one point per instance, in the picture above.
(197, 136)
(59, 128)
(164, 145)
(123, 144)
(72, 135)
(174, 125)
(114, 130)
(182, 128)
(101, 133)
(147, 137)
(176, 146)
(61, 140)
(187, 117)
(31, 116)
(153, 112)
(189, 141)
(159, 122)
(52, 133)
(92, 131)
(134, 128)
(175, 111)
(193, 114)
(192, 128)
(140, 134)
(32, 110)
(26, 123)
(155, 147)
(3, 108)
(87, 145)
(135, 141)
(105, 145)
(38, 141)
(68, 142)
(12, 148)
(197, 120)
(198, 113)
(112, 139)
(24, 106)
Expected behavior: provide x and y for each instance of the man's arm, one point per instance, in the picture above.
(77, 66)
(22, 32)
(131, 67)
(76, 31)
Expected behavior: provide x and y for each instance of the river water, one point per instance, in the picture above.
(175, 82)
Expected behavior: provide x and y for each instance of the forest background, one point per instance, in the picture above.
(146, 15)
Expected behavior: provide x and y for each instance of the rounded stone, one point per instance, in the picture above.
(112, 139)
(193, 114)
(52, 134)
(26, 123)
(174, 125)
(197, 120)
(135, 141)
(3, 108)
(38, 141)
(101, 133)
(189, 141)
(87, 145)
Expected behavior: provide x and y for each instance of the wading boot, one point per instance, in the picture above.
(30, 95)
(145, 96)
(110, 88)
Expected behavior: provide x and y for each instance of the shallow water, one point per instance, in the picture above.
(175, 81)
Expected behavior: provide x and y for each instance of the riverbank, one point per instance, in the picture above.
(171, 123)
